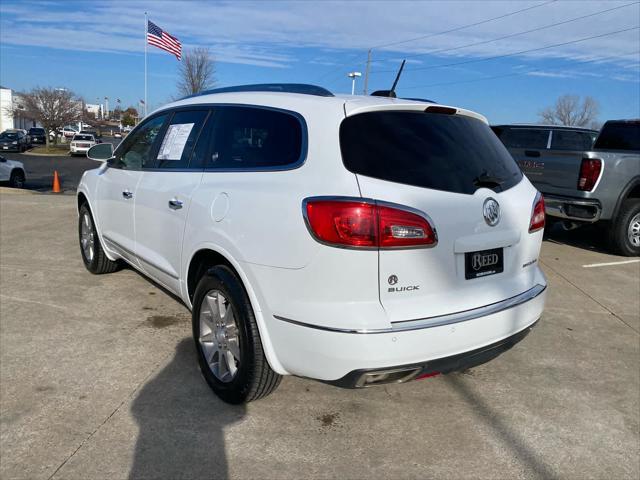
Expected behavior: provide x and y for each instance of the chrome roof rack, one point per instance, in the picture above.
(301, 88)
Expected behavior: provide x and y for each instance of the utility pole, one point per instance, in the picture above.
(366, 72)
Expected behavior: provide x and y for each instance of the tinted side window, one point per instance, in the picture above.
(255, 138)
(179, 139)
(136, 151)
(571, 140)
(619, 136)
(525, 138)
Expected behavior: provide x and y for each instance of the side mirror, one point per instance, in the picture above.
(101, 152)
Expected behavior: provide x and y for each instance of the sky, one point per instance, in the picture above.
(457, 52)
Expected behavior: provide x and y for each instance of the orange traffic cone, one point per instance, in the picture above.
(56, 182)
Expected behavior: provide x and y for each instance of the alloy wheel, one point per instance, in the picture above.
(634, 231)
(219, 336)
(87, 239)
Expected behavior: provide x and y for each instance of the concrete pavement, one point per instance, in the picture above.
(98, 379)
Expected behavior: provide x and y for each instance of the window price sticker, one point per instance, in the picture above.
(174, 141)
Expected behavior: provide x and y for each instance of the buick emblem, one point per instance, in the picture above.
(491, 212)
(392, 280)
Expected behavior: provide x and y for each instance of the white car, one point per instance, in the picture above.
(81, 143)
(353, 240)
(12, 171)
(69, 132)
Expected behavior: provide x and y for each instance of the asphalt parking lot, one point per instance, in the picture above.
(98, 379)
(40, 168)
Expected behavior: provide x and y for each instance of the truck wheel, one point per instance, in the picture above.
(624, 234)
(227, 339)
(93, 256)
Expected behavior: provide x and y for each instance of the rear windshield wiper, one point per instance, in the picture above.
(485, 180)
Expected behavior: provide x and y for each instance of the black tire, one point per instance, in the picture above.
(99, 263)
(17, 179)
(619, 230)
(254, 378)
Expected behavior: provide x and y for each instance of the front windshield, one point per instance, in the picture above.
(9, 135)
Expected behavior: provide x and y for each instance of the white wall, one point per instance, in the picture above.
(6, 120)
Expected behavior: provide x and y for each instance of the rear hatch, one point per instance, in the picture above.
(448, 166)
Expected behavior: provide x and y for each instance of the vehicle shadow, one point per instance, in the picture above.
(586, 237)
(181, 423)
(506, 433)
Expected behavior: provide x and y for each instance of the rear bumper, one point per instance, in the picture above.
(333, 356)
(454, 363)
(575, 209)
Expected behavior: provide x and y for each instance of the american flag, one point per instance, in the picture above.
(161, 39)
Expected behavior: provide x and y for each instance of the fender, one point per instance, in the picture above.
(633, 183)
(84, 188)
(252, 293)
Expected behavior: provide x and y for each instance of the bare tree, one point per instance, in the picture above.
(568, 110)
(197, 72)
(53, 108)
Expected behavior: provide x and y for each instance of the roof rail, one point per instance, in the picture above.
(302, 88)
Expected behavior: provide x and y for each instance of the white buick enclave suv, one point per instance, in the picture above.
(352, 240)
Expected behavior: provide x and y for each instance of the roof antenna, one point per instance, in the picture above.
(390, 93)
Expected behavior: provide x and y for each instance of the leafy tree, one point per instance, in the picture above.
(569, 110)
(129, 117)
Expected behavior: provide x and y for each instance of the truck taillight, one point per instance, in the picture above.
(537, 214)
(590, 169)
(353, 223)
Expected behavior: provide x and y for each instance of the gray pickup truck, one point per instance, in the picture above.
(583, 182)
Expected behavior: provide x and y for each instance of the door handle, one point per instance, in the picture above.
(175, 204)
(532, 153)
(127, 194)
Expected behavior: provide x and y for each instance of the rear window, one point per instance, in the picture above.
(619, 136)
(36, 131)
(572, 140)
(534, 138)
(453, 153)
(83, 137)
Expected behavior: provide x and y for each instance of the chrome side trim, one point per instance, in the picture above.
(124, 252)
(439, 320)
(130, 256)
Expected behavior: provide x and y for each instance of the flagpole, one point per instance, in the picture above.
(146, 29)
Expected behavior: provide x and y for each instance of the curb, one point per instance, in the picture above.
(17, 191)
(61, 154)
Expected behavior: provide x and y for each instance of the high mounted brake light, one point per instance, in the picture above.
(367, 224)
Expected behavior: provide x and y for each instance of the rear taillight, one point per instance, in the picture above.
(353, 223)
(590, 169)
(537, 214)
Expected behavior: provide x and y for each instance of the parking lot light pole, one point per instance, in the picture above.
(353, 76)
